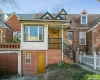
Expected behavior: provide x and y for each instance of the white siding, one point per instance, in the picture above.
(35, 45)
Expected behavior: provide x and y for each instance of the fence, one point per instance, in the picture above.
(91, 60)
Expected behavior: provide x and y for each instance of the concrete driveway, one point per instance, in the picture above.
(39, 77)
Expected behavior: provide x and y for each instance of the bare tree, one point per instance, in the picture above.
(8, 2)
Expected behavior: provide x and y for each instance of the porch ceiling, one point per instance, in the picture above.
(58, 26)
(42, 21)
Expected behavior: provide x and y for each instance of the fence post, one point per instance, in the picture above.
(77, 57)
(94, 60)
(83, 58)
(80, 58)
(99, 59)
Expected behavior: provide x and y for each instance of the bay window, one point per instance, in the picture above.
(33, 33)
(82, 38)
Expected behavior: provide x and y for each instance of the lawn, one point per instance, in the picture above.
(65, 71)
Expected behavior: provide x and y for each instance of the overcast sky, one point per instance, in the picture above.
(71, 6)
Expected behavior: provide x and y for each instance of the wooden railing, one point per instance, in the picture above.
(54, 43)
(9, 45)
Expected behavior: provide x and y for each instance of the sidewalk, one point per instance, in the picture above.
(39, 77)
(85, 67)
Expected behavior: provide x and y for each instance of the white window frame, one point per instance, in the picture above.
(37, 31)
(2, 17)
(1, 35)
(17, 32)
(30, 58)
(80, 38)
(81, 19)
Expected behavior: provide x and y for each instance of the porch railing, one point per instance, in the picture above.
(9, 45)
(54, 43)
(69, 52)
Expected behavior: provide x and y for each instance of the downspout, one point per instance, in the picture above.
(62, 43)
(92, 40)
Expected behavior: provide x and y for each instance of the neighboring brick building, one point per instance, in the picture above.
(45, 39)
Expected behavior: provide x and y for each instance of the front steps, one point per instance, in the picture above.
(66, 59)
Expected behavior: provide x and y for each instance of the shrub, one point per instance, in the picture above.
(65, 71)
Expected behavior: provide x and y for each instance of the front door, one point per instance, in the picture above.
(54, 38)
(40, 62)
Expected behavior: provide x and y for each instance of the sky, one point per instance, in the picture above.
(53, 6)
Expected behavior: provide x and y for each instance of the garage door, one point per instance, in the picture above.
(8, 64)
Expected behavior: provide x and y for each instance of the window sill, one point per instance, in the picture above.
(82, 44)
(33, 41)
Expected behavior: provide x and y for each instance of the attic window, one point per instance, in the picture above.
(63, 16)
(47, 17)
(83, 19)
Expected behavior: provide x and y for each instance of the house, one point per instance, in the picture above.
(29, 42)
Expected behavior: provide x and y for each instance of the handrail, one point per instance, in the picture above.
(69, 51)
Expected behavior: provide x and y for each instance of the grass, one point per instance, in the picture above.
(65, 71)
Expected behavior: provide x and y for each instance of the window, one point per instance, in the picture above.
(16, 36)
(63, 16)
(28, 58)
(84, 19)
(70, 38)
(82, 37)
(1, 18)
(33, 33)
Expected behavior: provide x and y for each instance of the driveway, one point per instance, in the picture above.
(39, 77)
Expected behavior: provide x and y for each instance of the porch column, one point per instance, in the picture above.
(19, 63)
(62, 43)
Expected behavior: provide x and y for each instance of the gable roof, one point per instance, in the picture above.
(91, 17)
(62, 10)
(82, 13)
(11, 16)
(4, 25)
(47, 13)
(58, 15)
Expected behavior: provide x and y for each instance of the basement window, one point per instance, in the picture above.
(28, 58)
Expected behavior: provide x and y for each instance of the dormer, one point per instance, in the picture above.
(3, 16)
(62, 15)
(83, 17)
(47, 15)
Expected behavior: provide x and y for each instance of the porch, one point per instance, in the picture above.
(56, 36)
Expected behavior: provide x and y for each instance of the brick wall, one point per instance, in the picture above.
(76, 40)
(30, 69)
(14, 23)
(97, 37)
(89, 41)
(53, 56)
(7, 35)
